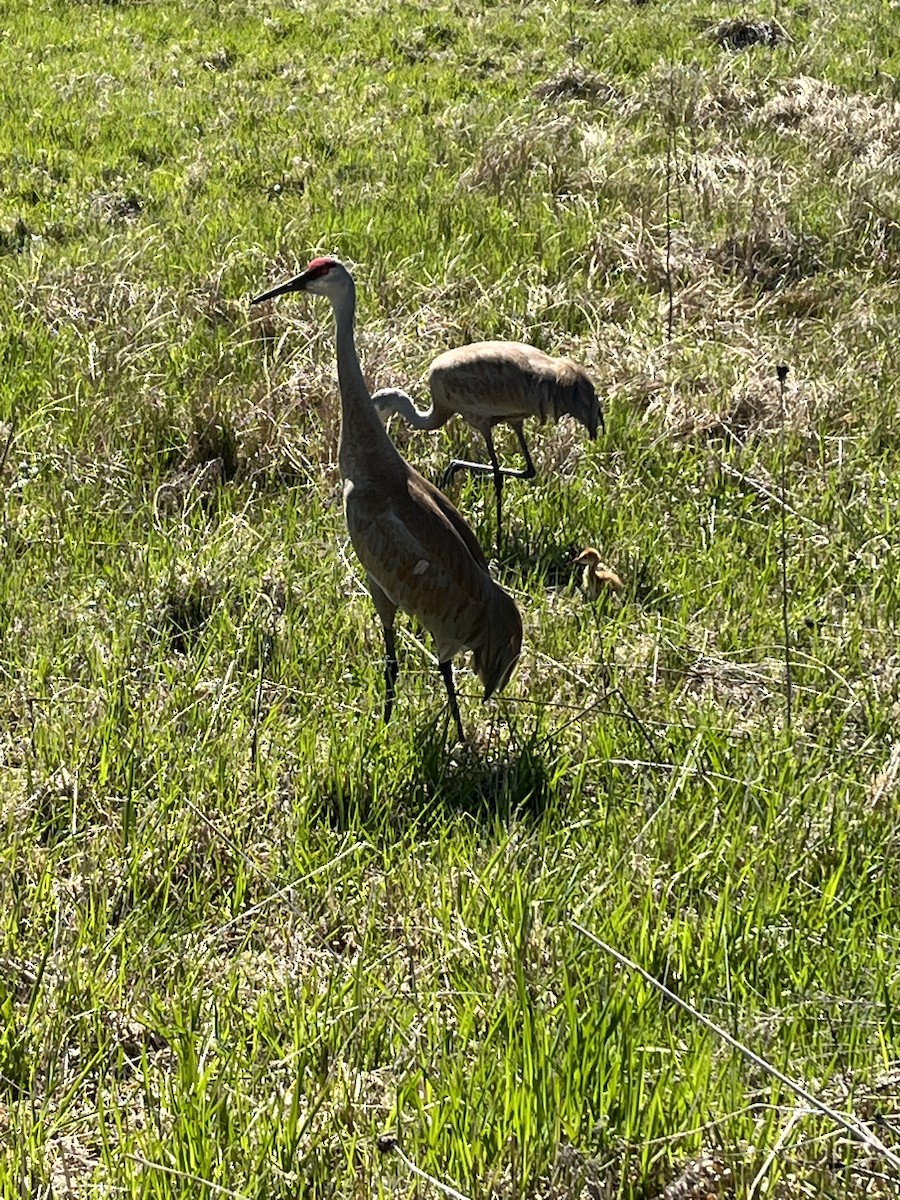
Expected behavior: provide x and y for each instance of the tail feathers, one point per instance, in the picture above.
(499, 650)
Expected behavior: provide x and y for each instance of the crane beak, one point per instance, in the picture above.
(297, 284)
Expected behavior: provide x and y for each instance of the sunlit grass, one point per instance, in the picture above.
(245, 928)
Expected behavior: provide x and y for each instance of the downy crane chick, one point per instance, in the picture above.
(418, 553)
(597, 577)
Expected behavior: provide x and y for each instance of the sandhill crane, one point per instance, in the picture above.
(418, 553)
(488, 383)
(597, 577)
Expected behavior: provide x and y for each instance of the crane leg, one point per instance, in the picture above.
(530, 469)
(463, 464)
(447, 673)
(494, 469)
(391, 671)
(386, 610)
(498, 488)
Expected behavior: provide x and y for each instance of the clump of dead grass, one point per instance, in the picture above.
(576, 84)
(885, 783)
(223, 447)
(743, 688)
(185, 488)
(215, 305)
(575, 1175)
(702, 1178)
(739, 33)
(542, 154)
(96, 295)
(15, 237)
(727, 179)
(122, 205)
(694, 97)
(691, 410)
(859, 126)
(768, 253)
(637, 250)
(560, 448)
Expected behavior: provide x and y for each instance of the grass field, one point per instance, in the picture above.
(245, 929)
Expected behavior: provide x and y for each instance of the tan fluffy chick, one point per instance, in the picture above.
(597, 577)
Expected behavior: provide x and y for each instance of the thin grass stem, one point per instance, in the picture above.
(856, 1129)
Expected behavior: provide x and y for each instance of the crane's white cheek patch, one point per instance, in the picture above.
(421, 566)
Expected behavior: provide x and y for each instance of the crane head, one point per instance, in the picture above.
(322, 277)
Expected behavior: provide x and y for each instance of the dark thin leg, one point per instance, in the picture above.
(460, 464)
(463, 464)
(498, 490)
(447, 673)
(494, 469)
(530, 469)
(386, 610)
(391, 671)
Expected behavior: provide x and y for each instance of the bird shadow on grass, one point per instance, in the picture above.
(527, 557)
(437, 781)
(507, 781)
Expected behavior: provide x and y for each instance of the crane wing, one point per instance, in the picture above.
(422, 560)
(432, 497)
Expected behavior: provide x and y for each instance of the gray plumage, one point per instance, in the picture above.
(489, 383)
(418, 553)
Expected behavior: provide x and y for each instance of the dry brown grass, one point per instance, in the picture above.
(851, 126)
(576, 84)
(539, 153)
(739, 33)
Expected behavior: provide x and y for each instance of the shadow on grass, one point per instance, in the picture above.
(538, 556)
(435, 782)
(644, 586)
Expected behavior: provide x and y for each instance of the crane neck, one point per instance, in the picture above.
(363, 440)
(397, 401)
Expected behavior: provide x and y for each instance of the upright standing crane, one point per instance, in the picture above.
(489, 383)
(418, 553)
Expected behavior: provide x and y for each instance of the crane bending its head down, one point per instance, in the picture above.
(490, 383)
(418, 553)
